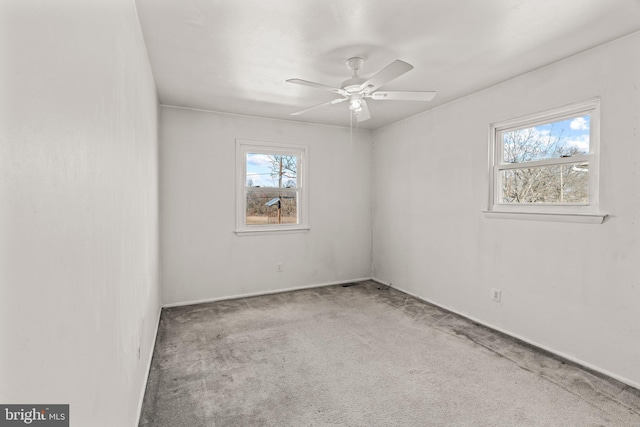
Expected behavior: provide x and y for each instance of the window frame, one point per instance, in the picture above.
(244, 147)
(547, 211)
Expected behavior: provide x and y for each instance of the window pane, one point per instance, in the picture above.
(563, 138)
(270, 170)
(567, 183)
(272, 207)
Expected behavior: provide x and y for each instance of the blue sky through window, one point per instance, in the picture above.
(551, 140)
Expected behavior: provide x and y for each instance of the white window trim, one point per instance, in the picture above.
(585, 213)
(245, 146)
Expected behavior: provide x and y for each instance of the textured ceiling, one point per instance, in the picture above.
(235, 55)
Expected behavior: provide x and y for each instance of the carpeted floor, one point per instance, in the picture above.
(362, 356)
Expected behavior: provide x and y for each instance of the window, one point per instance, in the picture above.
(271, 187)
(547, 163)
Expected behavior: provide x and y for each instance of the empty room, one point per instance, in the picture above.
(319, 213)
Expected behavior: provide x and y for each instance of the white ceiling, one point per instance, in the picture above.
(235, 55)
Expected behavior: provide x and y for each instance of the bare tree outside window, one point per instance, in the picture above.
(284, 167)
(541, 179)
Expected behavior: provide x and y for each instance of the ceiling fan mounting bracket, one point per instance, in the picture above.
(355, 63)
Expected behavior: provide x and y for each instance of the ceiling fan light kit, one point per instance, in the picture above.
(356, 89)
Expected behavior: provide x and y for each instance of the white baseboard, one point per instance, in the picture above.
(518, 337)
(148, 369)
(269, 292)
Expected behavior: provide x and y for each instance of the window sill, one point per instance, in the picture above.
(555, 217)
(270, 230)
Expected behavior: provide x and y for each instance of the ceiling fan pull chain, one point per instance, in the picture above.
(351, 127)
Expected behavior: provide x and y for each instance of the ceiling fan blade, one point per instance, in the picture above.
(364, 112)
(388, 73)
(319, 86)
(333, 101)
(404, 96)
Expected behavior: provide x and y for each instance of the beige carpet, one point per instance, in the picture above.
(362, 356)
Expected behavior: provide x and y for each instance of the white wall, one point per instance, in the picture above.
(202, 257)
(78, 208)
(572, 288)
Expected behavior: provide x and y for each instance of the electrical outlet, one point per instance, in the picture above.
(279, 267)
(496, 294)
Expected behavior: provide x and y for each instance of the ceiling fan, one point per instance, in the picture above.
(357, 89)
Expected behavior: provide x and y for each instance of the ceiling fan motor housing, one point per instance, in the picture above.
(353, 84)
